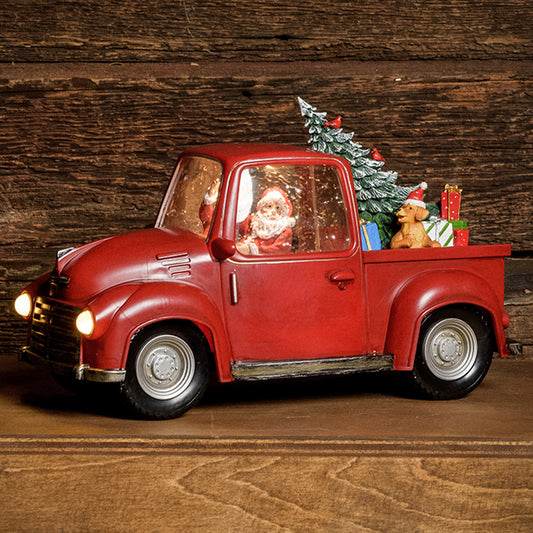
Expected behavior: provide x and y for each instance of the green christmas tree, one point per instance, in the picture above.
(378, 196)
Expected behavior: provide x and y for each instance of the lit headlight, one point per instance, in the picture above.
(24, 305)
(85, 322)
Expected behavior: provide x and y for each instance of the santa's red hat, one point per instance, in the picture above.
(417, 196)
(279, 197)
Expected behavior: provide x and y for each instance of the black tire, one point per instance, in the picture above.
(454, 353)
(166, 372)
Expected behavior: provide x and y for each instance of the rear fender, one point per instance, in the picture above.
(430, 291)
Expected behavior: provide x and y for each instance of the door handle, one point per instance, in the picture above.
(342, 278)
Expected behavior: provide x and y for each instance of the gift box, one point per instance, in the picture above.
(460, 232)
(460, 237)
(370, 236)
(439, 230)
(450, 202)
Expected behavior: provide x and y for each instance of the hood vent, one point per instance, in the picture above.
(177, 264)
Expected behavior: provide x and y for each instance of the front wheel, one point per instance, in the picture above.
(166, 372)
(454, 354)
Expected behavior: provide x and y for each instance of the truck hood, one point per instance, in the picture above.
(135, 257)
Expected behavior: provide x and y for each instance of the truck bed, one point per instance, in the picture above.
(386, 273)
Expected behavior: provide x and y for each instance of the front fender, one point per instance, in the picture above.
(158, 302)
(107, 304)
(427, 292)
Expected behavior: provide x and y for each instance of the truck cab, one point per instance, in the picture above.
(255, 270)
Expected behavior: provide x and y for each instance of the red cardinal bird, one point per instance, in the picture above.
(376, 156)
(335, 124)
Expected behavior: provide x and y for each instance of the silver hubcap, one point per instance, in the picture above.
(165, 367)
(450, 349)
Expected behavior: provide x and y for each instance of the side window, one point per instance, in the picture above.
(192, 196)
(290, 209)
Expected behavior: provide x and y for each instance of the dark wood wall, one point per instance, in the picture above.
(97, 99)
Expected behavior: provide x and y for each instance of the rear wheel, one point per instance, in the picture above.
(166, 372)
(454, 353)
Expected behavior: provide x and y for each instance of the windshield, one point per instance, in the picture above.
(192, 196)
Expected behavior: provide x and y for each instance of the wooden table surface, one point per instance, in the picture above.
(369, 406)
(350, 454)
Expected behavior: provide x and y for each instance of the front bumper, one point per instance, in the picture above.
(82, 372)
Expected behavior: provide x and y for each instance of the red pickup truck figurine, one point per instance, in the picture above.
(255, 270)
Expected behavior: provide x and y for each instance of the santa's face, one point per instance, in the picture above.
(269, 221)
(271, 210)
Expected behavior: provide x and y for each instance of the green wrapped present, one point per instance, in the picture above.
(440, 230)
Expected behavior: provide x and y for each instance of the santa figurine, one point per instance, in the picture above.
(268, 230)
(208, 205)
(412, 233)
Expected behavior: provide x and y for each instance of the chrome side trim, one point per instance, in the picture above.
(103, 376)
(293, 368)
(234, 292)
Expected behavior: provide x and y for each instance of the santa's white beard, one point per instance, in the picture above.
(266, 228)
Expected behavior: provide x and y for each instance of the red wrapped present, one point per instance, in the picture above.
(460, 237)
(450, 202)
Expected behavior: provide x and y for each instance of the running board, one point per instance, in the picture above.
(295, 368)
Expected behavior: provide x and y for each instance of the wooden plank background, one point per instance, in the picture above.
(97, 99)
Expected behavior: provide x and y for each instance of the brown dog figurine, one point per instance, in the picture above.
(412, 233)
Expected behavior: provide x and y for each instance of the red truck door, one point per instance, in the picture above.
(293, 289)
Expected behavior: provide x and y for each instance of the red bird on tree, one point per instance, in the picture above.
(376, 156)
(335, 124)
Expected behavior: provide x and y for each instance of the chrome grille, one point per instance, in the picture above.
(54, 336)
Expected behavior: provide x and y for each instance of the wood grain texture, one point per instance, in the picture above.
(348, 454)
(86, 150)
(290, 488)
(519, 306)
(255, 30)
(97, 99)
(351, 415)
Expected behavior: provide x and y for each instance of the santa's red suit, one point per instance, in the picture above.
(271, 242)
(207, 209)
(266, 232)
(206, 215)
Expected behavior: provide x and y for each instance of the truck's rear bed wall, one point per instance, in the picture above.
(397, 300)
